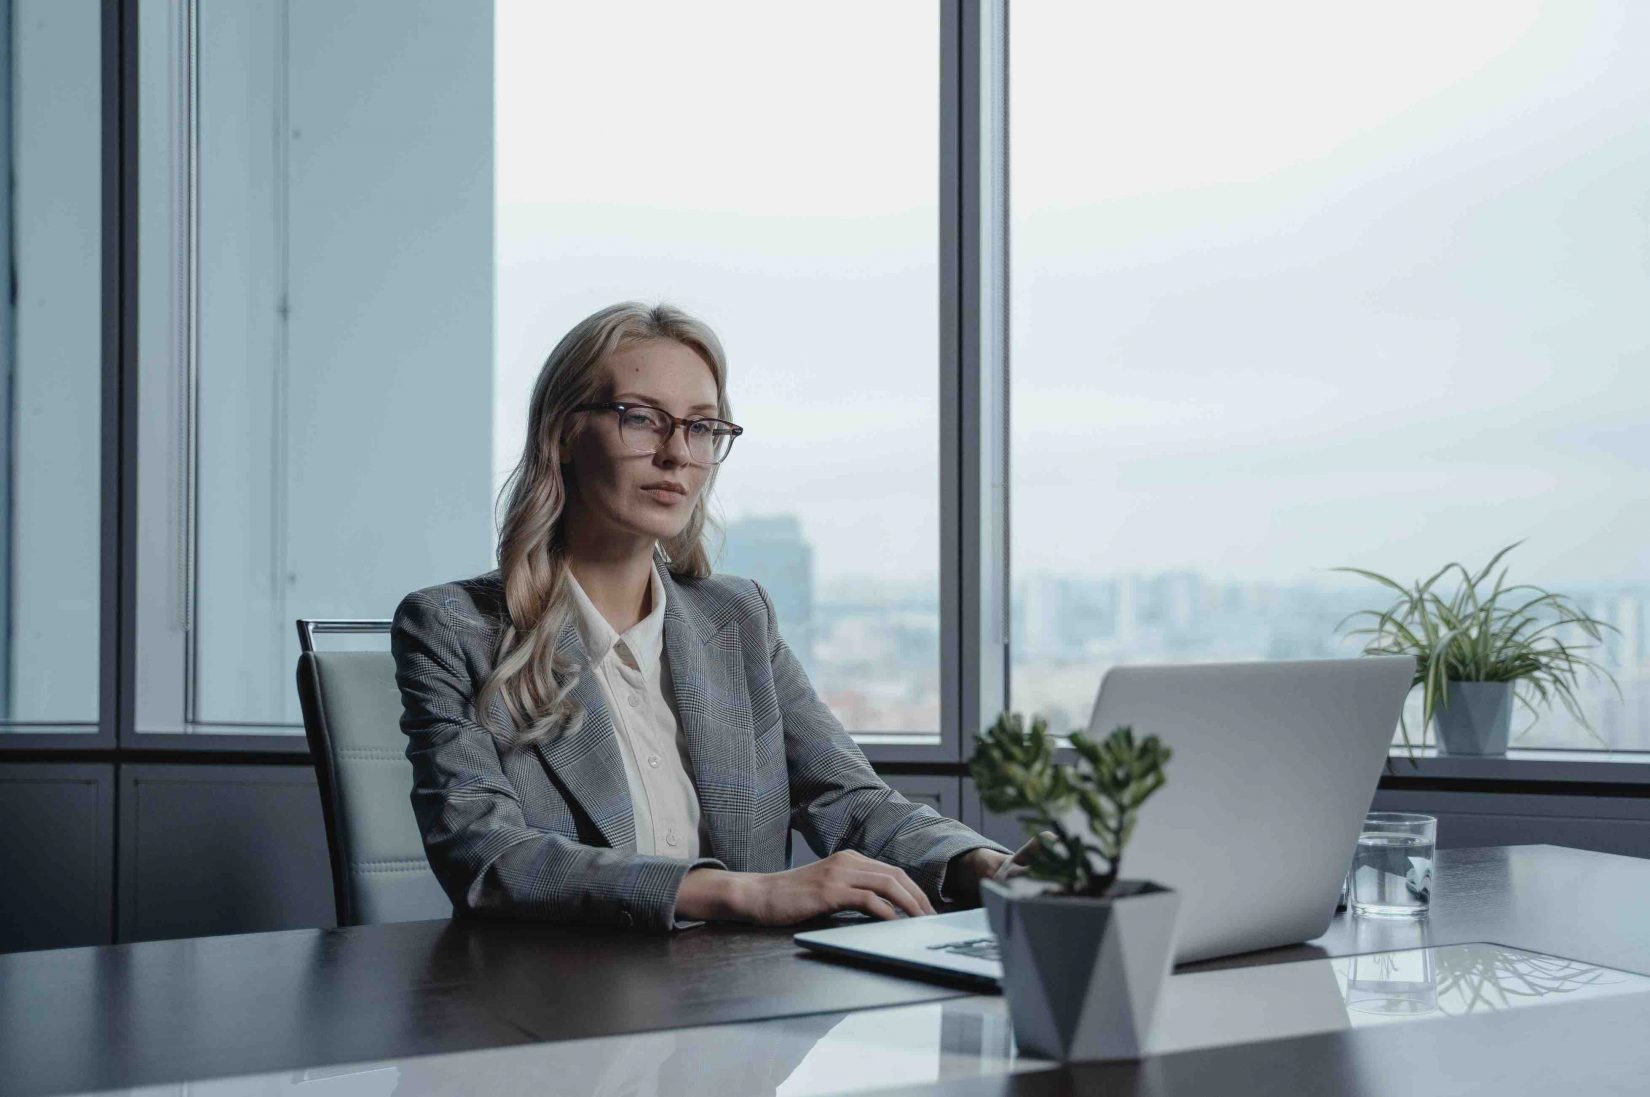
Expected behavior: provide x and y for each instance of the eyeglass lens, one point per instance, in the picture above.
(644, 430)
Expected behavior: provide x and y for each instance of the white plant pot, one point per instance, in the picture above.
(1475, 718)
(1082, 976)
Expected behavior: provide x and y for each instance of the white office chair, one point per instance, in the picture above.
(352, 718)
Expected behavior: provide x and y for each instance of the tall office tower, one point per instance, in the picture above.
(1629, 636)
(772, 550)
(1182, 595)
(1126, 612)
(1086, 614)
(1039, 600)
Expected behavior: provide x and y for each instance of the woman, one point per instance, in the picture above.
(601, 729)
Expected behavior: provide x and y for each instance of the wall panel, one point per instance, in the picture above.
(221, 849)
(56, 847)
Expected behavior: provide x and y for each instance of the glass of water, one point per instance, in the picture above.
(1392, 868)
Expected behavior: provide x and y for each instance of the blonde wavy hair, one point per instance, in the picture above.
(534, 683)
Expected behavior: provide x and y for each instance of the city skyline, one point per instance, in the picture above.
(872, 645)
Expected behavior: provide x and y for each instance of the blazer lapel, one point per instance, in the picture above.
(713, 704)
(587, 760)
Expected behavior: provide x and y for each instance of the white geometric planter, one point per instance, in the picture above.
(1476, 717)
(1082, 976)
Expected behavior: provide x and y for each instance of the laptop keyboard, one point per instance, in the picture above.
(978, 948)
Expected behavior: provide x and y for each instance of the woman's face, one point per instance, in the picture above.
(618, 491)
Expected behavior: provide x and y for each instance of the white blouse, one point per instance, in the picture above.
(635, 681)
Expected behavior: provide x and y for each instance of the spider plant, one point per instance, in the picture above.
(1483, 631)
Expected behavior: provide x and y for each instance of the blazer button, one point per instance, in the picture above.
(626, 919)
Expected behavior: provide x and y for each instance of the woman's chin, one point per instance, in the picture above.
(662, 531)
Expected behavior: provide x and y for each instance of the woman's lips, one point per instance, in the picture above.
(665, 495)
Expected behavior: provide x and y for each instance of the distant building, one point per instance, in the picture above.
(1058, 616)
(1622, 648)
(1037, 604)
(1126, 612)
(772, 550)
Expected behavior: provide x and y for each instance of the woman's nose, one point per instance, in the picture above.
(674, 451)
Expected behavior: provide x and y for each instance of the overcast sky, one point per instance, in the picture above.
(1294, 285)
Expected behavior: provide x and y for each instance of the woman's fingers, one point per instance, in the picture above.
(890, 888)
(873, 903)
(911, 889)
(1023, 854)
(899, 891)
(853, 861)
(1016, 865)
(916, 893)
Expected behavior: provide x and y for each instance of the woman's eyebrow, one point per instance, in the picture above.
(654, 400)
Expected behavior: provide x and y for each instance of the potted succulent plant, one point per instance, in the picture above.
(1084, 951)
(1476, 647)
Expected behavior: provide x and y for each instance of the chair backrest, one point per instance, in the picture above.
(352, 718)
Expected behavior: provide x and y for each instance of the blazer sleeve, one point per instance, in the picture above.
(838, 801)
(481, 848)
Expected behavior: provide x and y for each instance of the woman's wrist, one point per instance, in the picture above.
(713, 894)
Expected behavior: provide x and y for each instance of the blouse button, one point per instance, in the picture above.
(653, 760)
(670, 838)
(635, 700)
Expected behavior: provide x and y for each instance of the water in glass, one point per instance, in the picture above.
(1392, 873)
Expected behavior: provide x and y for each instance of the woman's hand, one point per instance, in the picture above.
(843, 881)
(966, 870)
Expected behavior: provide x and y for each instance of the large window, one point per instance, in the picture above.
(772, 169)
(50, 365)
(1300, 286)
(1278, 304)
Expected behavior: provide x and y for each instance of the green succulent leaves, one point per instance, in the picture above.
(1014, 771)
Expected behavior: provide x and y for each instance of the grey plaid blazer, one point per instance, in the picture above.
(548, 832)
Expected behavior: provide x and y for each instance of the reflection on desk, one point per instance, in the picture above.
(966, 1037)
(787, 1057)
(1461, 979)
(1245, 1005)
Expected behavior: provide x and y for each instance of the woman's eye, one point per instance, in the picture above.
(637, 419)
(700, 428)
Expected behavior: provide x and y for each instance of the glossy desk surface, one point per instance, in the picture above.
(455, 1007)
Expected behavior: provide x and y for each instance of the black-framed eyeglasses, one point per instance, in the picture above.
(647, 429)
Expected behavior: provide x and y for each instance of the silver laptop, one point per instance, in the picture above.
(1274, 766)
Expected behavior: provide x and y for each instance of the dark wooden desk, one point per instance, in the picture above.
(160, 1011)
(128, 1015)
